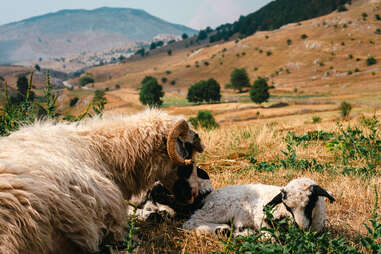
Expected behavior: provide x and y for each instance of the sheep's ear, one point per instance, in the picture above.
(319, 191)
(276, 200)
(202, 173)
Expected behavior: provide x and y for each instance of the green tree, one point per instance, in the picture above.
(208, 91)
(184, 36)
(259, 91)
(84, 80)
(239, 79)
(151, 92)
(152, 46)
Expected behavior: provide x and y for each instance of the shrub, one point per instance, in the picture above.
(370, 61)
(269, 53)
(204, 119)
(151, 92)
(259, 91)
(208, 91)
(84, 80)
(341, 8)
(377, 16)
(164, 80)
(168, 72)
(73, 101)
(169, 52)
(316, 119)
(117, 86)
(345, 109)
(289, 42)
(303, 36)
(173, 82)
(350, 56)
(239, 79)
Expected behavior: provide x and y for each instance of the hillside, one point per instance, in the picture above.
(325, 68)
(70, 32)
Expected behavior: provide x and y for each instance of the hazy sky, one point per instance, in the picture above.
(197, 14)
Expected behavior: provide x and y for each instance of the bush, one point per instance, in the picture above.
(370, 61)
(117, 86)
(169, 52)
(289, 42)
(173, 82)
(316, 119)
(208, 91)
(239, 79)
(151, 92)
(204, 119)
(84, 80)
(259, 91)
(73, 101)
(164, 80)
(304, 36)
(345, 109)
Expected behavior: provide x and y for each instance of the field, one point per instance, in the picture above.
(271, 143)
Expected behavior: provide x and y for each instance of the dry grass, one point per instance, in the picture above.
(226, 161)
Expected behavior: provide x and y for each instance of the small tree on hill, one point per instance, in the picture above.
(259, 91)
(239, 79)
(184, 36)
(84, 80)
(208, 91)
(151, 92)
(22, 89)
(204, 119)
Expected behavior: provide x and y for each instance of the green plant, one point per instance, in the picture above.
(117, 86)
(289, 42)
(269, 53)
(151, 92)
(239, 79)
(316, 119)
(204, 119)
(370, 61)
(259, 91)
(303, 36)
(84, 80)
(164, 80)
(208, 91)
(345, 108)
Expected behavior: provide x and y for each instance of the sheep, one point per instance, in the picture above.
(301, 199)
(157, 202)
(63, 186)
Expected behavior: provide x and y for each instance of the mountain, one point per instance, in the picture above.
(70, 32)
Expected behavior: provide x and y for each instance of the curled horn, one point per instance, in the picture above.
(181, 128)
(319, 191)
(276, 200)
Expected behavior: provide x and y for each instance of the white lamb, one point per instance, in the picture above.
(243, 205)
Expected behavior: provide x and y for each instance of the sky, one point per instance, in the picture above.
(196, 14)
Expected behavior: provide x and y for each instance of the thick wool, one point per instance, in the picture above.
(243, 204)
(63, 186)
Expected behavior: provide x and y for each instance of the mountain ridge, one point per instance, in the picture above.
(68, 32)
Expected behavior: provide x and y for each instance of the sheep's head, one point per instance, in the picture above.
(301, 197)
(182, 144)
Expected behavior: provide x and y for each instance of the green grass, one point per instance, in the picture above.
(175, 101)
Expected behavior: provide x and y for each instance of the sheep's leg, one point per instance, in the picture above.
(209, 228)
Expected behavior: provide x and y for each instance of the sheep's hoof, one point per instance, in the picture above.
(222, 231)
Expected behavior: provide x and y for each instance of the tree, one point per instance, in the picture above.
(84, 80)
(152, 46)
(259, 91)
(239, 79)
(151, 92)
(208, 91)
(184, 36)
(37, 67)
(204, 119)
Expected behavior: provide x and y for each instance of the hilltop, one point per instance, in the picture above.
(70, 32)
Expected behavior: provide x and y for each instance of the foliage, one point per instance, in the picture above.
(239, 79)
(208, 91)
(151, 92)
(292, 138)
(204, 119)
(84, 80)
(259, 91)
(345, 109)
(316, 119)
(282, 236)
(141, 52)
(184, 36)
(370, 61)
(353, 144)
(304, 36)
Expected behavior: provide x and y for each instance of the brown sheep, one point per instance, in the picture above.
(63, 185)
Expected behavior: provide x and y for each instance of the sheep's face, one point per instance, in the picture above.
(300, 197)
(182, 145)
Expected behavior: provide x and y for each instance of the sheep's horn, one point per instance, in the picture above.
(181, 129)
(319, 191)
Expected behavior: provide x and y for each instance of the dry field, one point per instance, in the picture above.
(226, 160)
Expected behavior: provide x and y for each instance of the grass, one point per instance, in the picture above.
(177, 101)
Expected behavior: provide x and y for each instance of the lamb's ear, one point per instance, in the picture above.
(202, 173)
(276, 200)
(319, 191)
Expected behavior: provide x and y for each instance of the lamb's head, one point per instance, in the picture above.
(182, 145)
(303, 198)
